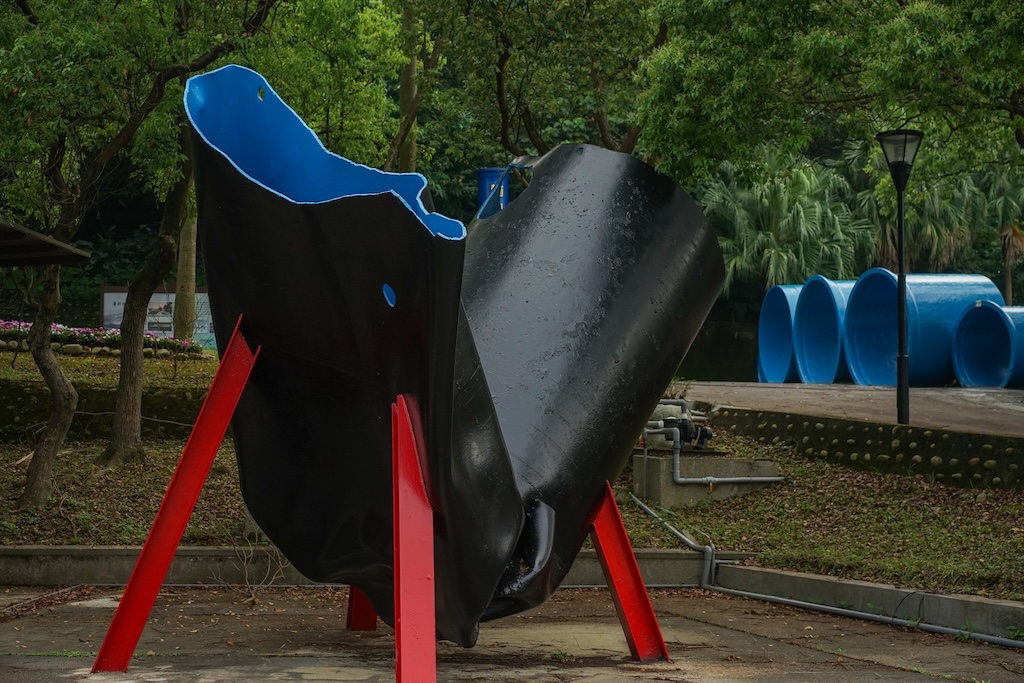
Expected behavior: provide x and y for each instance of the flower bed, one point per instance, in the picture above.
(95, 337)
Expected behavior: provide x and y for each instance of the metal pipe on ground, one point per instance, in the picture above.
(707, 582)
(705, 481)
(707, 550)
(868, 616)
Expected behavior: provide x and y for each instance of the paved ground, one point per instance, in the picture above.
(986, 411)
(215, 635)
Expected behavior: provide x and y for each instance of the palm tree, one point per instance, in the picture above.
(1011, 239)
(1004, 209)
(940, 214)
(786, 220)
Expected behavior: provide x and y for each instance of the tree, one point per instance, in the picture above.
(1004, 208)
(942, 214)
(740, 73)
(337, 63)
(538, 74)
(84, 83)
(783, 220)
(1011, 239)
(185, 290)
(126, 432)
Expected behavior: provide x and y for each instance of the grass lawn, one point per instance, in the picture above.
(823, 518)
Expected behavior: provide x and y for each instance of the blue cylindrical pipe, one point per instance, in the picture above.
(492, 179)
(988, 348)
(775, 335)
(818, 330)
(934, 305)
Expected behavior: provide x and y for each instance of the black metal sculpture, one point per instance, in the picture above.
(532, 351)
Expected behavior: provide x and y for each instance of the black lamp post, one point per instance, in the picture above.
(900, 148)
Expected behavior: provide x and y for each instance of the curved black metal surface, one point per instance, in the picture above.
(582, 296)
(531, 353)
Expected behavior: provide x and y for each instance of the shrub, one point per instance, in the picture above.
(11, 330)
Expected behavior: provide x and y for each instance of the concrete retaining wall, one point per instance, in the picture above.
(968, 613)
(952, 457)
(70, 565)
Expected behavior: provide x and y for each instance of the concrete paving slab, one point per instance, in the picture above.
(977, 410)
(222, 635)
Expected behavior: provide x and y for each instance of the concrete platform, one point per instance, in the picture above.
(979, 411)
(966, 437)
(207, 635)
(653, 478)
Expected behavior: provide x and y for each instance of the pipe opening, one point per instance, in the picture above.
(871, 330)
(775, 334)
(818, 331)
(983, 347)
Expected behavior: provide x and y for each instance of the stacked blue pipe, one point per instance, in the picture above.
(988, 347)
(818, 330)
(775, 359)
(934, 306)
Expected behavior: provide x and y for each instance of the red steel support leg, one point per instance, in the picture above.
(415, 639)
(182, 493)
(632, 603)
(361, 616)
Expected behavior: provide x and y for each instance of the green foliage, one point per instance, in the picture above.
(333, 61)
(82, 82)
(828, 519)
(534, 75)
(737, 74)
(784, 219)
(95, 337)
(84, 512)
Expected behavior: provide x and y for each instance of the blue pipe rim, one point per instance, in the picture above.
(860, 339)
(814, 366)
(970, 368)
(776, 362)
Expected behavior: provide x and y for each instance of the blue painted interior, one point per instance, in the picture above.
(237, 112)
(818, 330)
(389, 294)
(775, 334)
(491, 191)
(988, 347)
(870, 337)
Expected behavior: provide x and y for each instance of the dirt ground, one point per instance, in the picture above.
(220, 634)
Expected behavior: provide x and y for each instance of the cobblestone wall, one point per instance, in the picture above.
(962, 458)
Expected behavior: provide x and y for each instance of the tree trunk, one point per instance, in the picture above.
(407, 88)
(185, 294)
(126, 433)
(63, 397)
(1008, 283)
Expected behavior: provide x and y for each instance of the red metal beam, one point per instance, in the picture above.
(632, 604)
(179, 501)
(361, 615)
(415, 629)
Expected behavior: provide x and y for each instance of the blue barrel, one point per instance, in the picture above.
(934, 305)
(775, 335)
(818, 330)
(487, 181)
(988, 348)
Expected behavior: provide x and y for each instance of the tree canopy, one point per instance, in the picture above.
(738, 73)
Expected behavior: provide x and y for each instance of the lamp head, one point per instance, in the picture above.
(900, 147)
